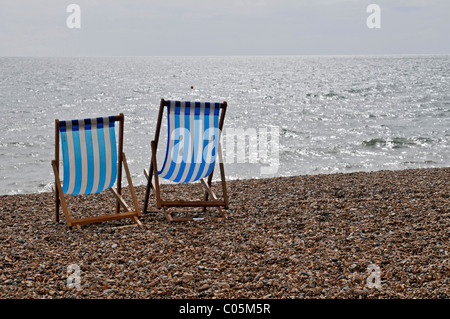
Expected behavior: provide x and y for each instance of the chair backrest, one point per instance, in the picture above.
(192, 140)
(89, 155)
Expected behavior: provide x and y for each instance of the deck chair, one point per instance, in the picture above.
(91, 164)
(191, 153)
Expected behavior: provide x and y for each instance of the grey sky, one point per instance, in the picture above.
(231, 27)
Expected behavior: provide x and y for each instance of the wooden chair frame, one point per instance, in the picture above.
(205, 203)
(59, 195)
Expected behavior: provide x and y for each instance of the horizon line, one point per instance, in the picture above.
(230, 55)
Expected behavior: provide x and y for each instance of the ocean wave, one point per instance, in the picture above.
(397, 142)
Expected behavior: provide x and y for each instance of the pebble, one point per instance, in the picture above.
(188, 276)
(204, 287)
(288, 237)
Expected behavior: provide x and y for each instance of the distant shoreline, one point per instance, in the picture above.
(164, 182)
(234, 55)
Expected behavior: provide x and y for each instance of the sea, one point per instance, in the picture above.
(306, 114)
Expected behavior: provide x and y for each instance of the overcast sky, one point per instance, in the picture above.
(225, 27)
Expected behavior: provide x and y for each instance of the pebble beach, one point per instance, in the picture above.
(364, 235)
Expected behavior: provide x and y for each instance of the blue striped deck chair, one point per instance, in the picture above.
(92, 163)
(192, 150)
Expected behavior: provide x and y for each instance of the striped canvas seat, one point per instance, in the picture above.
(193, 147)
(89, 155)
(193, 135)
(92, 161)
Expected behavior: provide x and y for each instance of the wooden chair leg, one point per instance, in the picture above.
(55, 193)
(120, 199)
(210, 192)
(205, 198)
(155, 174)
(130, 185)
(167, 214)
(138, 222)
(61, 195)
(148, 174)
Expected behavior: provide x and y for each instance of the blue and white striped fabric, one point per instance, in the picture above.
(89, 155)
(193, 136)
